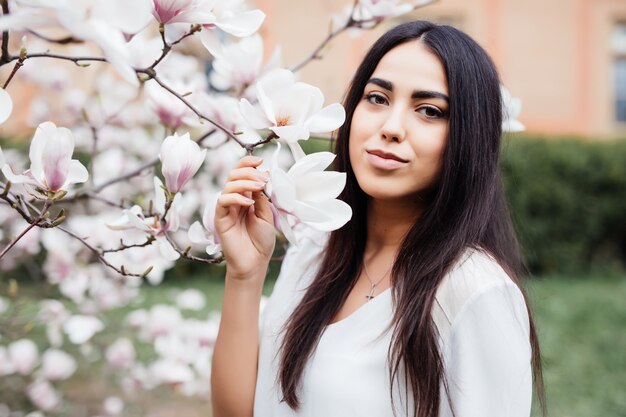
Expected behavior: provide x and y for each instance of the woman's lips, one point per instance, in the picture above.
(384, 160)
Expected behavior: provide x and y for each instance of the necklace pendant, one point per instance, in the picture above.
(371, 293)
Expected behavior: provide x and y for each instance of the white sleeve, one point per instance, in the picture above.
(488, 360)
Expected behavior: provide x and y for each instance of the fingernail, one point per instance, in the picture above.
(264, 177)
(259, 184)
(256, 159)
(249, 200)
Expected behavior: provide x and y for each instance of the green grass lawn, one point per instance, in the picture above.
(581, 324)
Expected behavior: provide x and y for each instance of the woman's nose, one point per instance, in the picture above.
(393, 128)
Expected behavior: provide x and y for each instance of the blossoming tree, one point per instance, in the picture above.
(123, 183)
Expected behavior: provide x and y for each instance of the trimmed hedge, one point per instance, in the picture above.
(568, 201)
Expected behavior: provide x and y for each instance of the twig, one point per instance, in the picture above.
(124, 247)
(62, 41)
(34, 223)
(122, 271)
(5, 34)
(185, 254)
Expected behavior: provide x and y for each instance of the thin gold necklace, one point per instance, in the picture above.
(373, 285)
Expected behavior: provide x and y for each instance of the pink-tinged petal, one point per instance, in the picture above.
(159, 195)
(195, 17)
(77, 173)
(6, 106)
(56, 157)
(128, 16)
(17, 179)
(286, 229)
(291, 134)
(317, 161)
(24, 356)
(212, 42)
(196, 234)
(327, 216)
(57, 365)
(81, 328)
(241, 24)
(283, 190)
(254, 118)
(43, 133)
(320, 186)
(328, 119)
(166, 249)
(213, 248)
(138, 222)
(43, 395)
(208, 215)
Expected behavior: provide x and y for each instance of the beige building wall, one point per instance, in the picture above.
(554, 54)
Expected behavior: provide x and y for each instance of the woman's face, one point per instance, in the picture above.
(400, 127)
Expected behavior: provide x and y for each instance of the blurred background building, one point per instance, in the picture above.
(566, 59)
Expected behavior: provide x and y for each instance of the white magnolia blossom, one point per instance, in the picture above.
(6, 364)
(168, 371)
(103, 23)
(168, 108)
(292, 110)
(6, 107)
(113, 406)
(51, 165)
(511, 108)
(57, 365)
(24, 356)
(80, 329)
(205, 234)
(238, 65)
(134, 218)
(308, 194)
(43, 395)
(180, 160)
(225, 14)
(121, 354)
(190, 299)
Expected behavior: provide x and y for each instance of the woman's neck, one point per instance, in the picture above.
(388, 222)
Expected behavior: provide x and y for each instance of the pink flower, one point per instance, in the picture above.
(181, 158)
(121, 354)
(43, 395)
(24, 356)
(51, 165)
(57, 365)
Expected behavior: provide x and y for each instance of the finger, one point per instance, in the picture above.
(242, 186)
(249, 161)
(247, 173)
(262, 207)
(225, 201)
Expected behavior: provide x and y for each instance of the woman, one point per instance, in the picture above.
(413, 307)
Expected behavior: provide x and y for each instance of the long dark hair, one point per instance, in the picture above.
(466, 210)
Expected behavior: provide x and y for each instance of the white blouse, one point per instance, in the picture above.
(483, 328)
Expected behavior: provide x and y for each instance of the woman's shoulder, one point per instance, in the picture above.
(474, 274)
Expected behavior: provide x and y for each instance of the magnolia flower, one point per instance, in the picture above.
(121, 354)
(113, 406)
(57, 365)
(168, 109)
(292, 110)
(238, 65)
(24, 355)
(511, 108)
(307, 194)
(180, 158)
(51, 165)
(190, 299)
(167, 371)
(6, 365)
(134, 218)
(224, 14)
(82, 328)
(206, 235)
(380, 9)
(6, 107)
(43, 395)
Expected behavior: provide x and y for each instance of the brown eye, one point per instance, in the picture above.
(375, 98)
(431, 112)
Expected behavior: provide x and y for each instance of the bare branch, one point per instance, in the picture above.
(185, 254)
(42, 215)
(5, 35)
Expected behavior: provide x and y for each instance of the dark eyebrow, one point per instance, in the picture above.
(415, 95)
